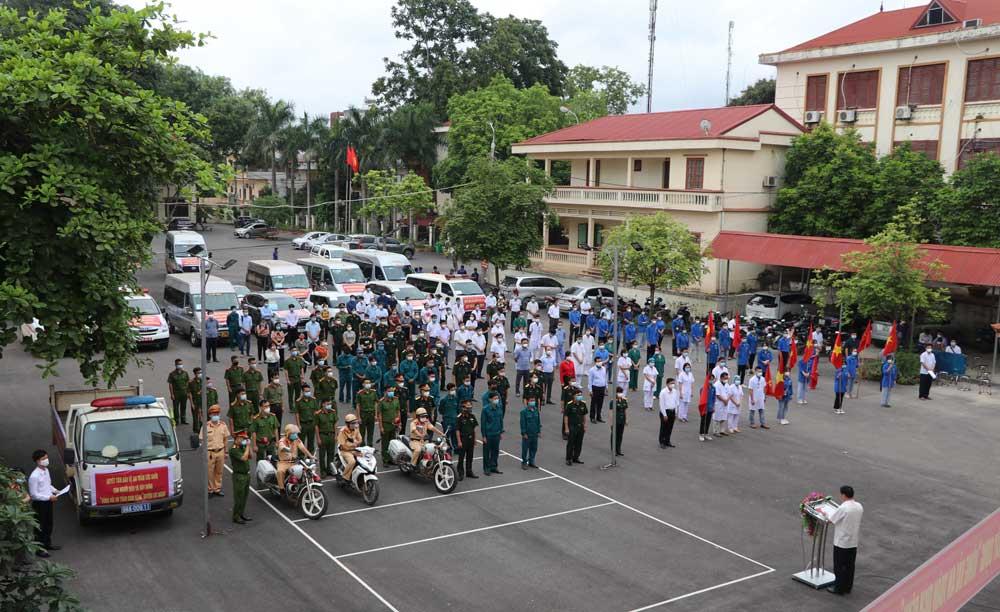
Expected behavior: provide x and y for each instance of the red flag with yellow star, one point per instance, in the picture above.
(837, 354)
(778, 388)
(809, 345)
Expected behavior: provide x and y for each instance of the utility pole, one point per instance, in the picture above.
(729, 60)
(652, 48)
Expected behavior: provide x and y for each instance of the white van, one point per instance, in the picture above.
(182, 304)
(459, 287)
(333, 274)
(278, 275)
(330, 299)
(380, 265)
(328, 251)
(178, 245)
(149, 326)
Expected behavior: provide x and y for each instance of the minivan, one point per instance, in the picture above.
(459, 287)
(333, 274)
(178, 246)
(278, 275)
(182, 304)
(769, 306)
(380, 265)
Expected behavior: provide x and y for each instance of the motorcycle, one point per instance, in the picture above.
(435, 464)
(363, 478)
(302, 485)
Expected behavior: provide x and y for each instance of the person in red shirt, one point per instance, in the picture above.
(567, 368)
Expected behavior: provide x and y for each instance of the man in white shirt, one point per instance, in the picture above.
(927, 375)
(43, 495)
(846, 524)
(585, 309)
(757, 386)
(553, 315)
(532, 307)
(719, 369)
(578, 357)
(818, 341)
(491, 302)
(953, 348)
(624, 369)
(670, 400)
(549, 342)
(680, 361)
(515, 309)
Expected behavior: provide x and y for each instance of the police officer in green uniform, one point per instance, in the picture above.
(264, 431)
(294, 367)
(305, 416)
(234, 377)
(275, 396)
(391, 350)
(316, 374)
(462, 369)
(569, 392)
(365, 410)
(326, 385)
(252, 380)
(241, 411)
(403, 395)
(387, 414)
(575, 422)
(239, 458)
(502, 385)
(194, 396)
(621, 420)
(425, 401)
(466, 424)
(534, 389)
(326, 432)
(178, 382)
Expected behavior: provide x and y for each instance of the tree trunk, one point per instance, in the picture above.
(652, 296)
(274, 173)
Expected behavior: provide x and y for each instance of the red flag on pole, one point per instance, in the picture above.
(814, 373)
(837, 354)
(768, 384)
(792, 355)
(352, 158)
(710, 331)
(737, 336)
(703, 398)
(866, 338)
(892, 343)
(809, 345)
(778, 389)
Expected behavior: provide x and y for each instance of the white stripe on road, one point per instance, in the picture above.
(429, 498)
(699, 592)
(477, 530)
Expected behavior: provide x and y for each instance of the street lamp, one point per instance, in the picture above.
(204, 268)
(616, 251)
(566, 109)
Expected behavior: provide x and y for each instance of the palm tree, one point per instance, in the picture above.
(266, 132)
(313, 132)
(409, 134)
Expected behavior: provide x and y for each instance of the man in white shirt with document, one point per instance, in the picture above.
(847, 523)
(43, 495)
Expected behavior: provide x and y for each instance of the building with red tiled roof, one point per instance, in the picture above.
(927, 74)
(709, 168)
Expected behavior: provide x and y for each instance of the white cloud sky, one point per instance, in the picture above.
(323, 55)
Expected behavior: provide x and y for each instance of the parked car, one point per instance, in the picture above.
(530, 285)
(393, 246)
(327, 238)
(598, 296)
(300, 242)
(328, 251)
(259, 229)
(769, 305)
(277, 301)
(180, 223)
(244, 221)
(360, 241)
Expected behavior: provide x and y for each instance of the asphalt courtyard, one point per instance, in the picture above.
(704, 526)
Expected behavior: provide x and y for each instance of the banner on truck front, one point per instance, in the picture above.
(133, 485)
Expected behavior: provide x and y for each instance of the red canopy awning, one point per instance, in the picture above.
(964, 265)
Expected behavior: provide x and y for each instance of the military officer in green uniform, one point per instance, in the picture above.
(294, 368)
(575, 422)
(264, 431)
(447, 409)
(466, 424)
(403, 395)
(462, 369)
(365, 410)
(275, 396)
(569, 391)
(234, 378)
(533, 389)
(621, 420)
(252, 380)
(502, 385)
(240, 412)
(425, 401)
(326, 386)
(326, 433)
(387, 415)
(305, 416)
(194, 395)
(239, 458)
(178, 382)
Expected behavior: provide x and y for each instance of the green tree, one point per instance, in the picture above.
(83, 152)
(519, 49)
(889, 280)
(267, 132)
(313, 131)
(904, 176)
(829, 186)
(272, 209)
(498, 216)
(409, 135)
(78, 12)
(595, 92)
(670, 255)
(388, 196)
(969, 212)
(761, 92)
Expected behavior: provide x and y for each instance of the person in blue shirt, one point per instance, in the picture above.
(725, 340)
(889, 375)
(652, 339)
(464, 389)
(683, 341)
(706, 418)
(491, 424)
(560, 343)
(675, 326)
(697, 337)
(764, 358)
(852, 371)
(713, 353)
(603, 330)
(380, 357)
(351, 304)
(742, 359)
(786, 397)
(592, 323)
(631, 329)
(751, 341)
(345, 362)
(805, 367)
(522, 365)
(642, 323)
(839, 389)
(575, 323)
(661, 327)
(784, 345)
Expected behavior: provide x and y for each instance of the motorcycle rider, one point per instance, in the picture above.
(419, 428)
(289, 449)
(348, 441)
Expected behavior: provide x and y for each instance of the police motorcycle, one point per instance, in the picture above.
(364, 479)
(302, 484)
(435, 463)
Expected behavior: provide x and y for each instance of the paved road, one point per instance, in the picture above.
(665, 525)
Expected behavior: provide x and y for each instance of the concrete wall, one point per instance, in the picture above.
(614, 170)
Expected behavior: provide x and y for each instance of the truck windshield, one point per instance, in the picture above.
(348, 275)
(128, 440)
(466, 288)
(290, 281)
(215, 301)
(145, 306)
(180, 250)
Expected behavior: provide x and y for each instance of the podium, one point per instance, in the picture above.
(815, 574)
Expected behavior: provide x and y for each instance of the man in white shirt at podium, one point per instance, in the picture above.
(847, 523)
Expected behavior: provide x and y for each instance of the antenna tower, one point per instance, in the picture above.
(652, 47)
(729, 60)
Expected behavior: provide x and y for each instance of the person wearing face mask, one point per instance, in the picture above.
(685, 381)
(447, 409)
(43, 496)
(252, 380)
(531, 430)
(177, 383)
(239, 460)
(218, 433)
(245, 332)
(420, 428)
(953, 348)
(669, 403)
(491, 424)
(326, 434)
(548, 367)
(660, 363)
(289, 449)
(889, 375)
(409, 369)
(522, 365)
(425, 401)
(851, 363)
(194, 395)
(928, 364)
(735, 405)
(234, 378)
(348, 440)
(757, 386)
(241, 411)
(295, 366)
(465, 438)
(326, 384)
(364, 409)
(387, 415)
(620, 420)
(305, 415)
(345, 362)
(275, 396)
(575, 424)
(263, 431)
(648, 384)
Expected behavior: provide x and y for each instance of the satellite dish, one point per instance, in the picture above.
(706, 126)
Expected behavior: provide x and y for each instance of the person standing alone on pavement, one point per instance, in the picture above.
(889, 375)
(43, 496)
(927, 375)
(669, 402)
(574, 423)
(177, 381)
(847, 524)
(531, 430)
(239, 457)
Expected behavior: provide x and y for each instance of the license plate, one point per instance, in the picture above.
(136, 508)
(146, 339)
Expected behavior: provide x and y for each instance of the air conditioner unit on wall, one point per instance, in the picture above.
(770, 181)
(847, 116)
(904, 113)
(814, 116)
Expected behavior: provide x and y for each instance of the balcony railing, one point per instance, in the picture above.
(654, 199)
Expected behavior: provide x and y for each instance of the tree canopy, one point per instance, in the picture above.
(83, 153)
(969, 212)
(761, 92)
(387, 195)
(595, 92)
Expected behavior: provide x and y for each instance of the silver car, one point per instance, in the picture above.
(530, 286)
(598, 296)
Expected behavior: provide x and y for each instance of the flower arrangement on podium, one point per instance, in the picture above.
(808, 520)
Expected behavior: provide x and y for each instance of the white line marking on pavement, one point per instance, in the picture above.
(477, 530)
(322, 549)
(649, 516)
(699, 592)
(429, 498)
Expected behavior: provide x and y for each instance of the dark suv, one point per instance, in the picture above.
(393, 246)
